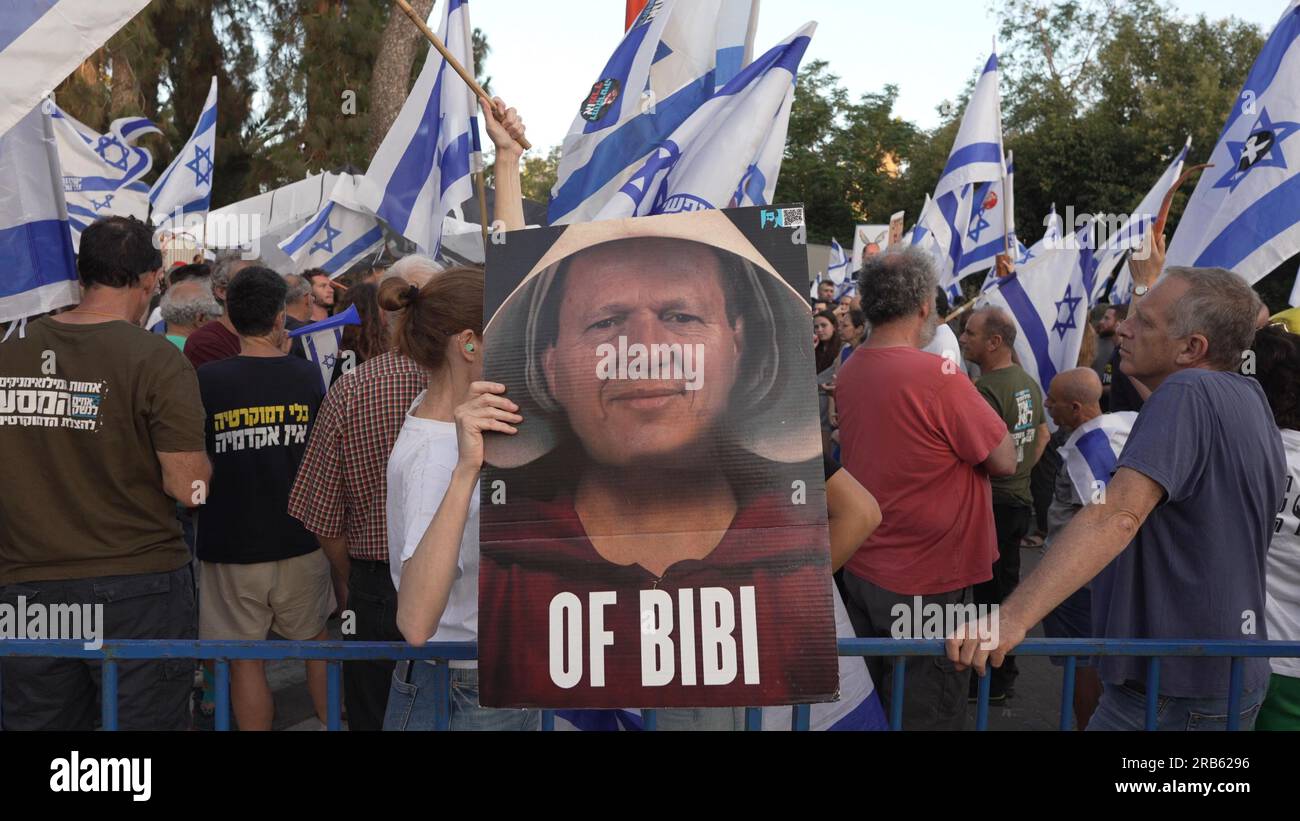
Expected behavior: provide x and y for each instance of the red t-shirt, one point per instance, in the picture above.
(211, 343)
(913, 430)
(533, 551)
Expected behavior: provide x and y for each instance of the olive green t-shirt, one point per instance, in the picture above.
(1015, 397)
(83, 408)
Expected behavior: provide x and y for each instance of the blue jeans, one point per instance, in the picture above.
(412, 703)
(1124, 708)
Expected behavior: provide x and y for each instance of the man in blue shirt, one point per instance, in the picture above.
(1181, 538)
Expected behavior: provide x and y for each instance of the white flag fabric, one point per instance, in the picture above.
(39, 272)
(726, 154)
(186, 185)
(43, 41)
(1048, 299)
(837, 267)
(1245, 212)
(1131, 233)
(1051, 239)
(992, 224)
(976, 158)
(859, 706)
(337, 236)
(1092, 452)
(676, 55)
(101, 172)
(421, 170)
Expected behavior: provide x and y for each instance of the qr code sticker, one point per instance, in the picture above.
(792, 217)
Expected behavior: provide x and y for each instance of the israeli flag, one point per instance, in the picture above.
(101, 172)
(321, 340)
(976, 158)
(676, 56)
(422, 168)
(992, 224)
(728, 153)
(1131, 234)
(1051, 239)
(186, 185)
(859, 706)
(337, 236)
(43, 41)
(1092, 452)
(1245, 213)
(1047, 298)
(39, 272)
(838, 267)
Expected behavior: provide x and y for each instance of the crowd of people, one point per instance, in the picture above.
(1190, 529)
(227, 492)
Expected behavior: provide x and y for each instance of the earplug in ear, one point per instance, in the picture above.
(469, 347)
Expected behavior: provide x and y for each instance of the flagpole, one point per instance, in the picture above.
(963, 309)
(481, 188)
(452, 61)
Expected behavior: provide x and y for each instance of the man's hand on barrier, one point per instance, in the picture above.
(990, 639)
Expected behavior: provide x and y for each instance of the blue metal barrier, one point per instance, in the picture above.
(336, 652)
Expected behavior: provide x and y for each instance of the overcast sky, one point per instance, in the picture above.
(546, 55)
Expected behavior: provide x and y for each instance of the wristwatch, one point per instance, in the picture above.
(1140, 290)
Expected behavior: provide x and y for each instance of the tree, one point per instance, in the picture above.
(539, 173)
(842, 159)
(391, 79)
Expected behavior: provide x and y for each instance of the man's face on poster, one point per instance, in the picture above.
(666, 296)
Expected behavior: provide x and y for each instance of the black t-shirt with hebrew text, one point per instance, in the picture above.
(259, 416)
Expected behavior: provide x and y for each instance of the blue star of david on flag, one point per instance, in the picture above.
(978, 228)
(109, 144)
(1260, 150)
(101, 205)
(201, 176)
(326, 244)
(662, 159)
(1029, 254)
(1065, 313)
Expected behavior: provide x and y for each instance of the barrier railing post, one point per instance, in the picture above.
(334, 695)
(801, 717)
(222, 694)
(753, 718)
(896, 694)
(1236, 680)
(108, 695)
(1153, 692)
(1067, 693)
(650, 720)
(982, 701)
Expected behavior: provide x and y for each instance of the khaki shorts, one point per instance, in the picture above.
(243, 602)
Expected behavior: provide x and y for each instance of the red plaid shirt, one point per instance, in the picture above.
(342, 486)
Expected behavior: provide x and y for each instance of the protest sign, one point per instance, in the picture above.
(655, 533)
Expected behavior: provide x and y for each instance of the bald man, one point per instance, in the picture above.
(989, 341)
(1073, 400)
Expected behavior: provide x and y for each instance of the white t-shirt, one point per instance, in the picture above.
(1282, 573)
(945, 344)
(419, 472)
